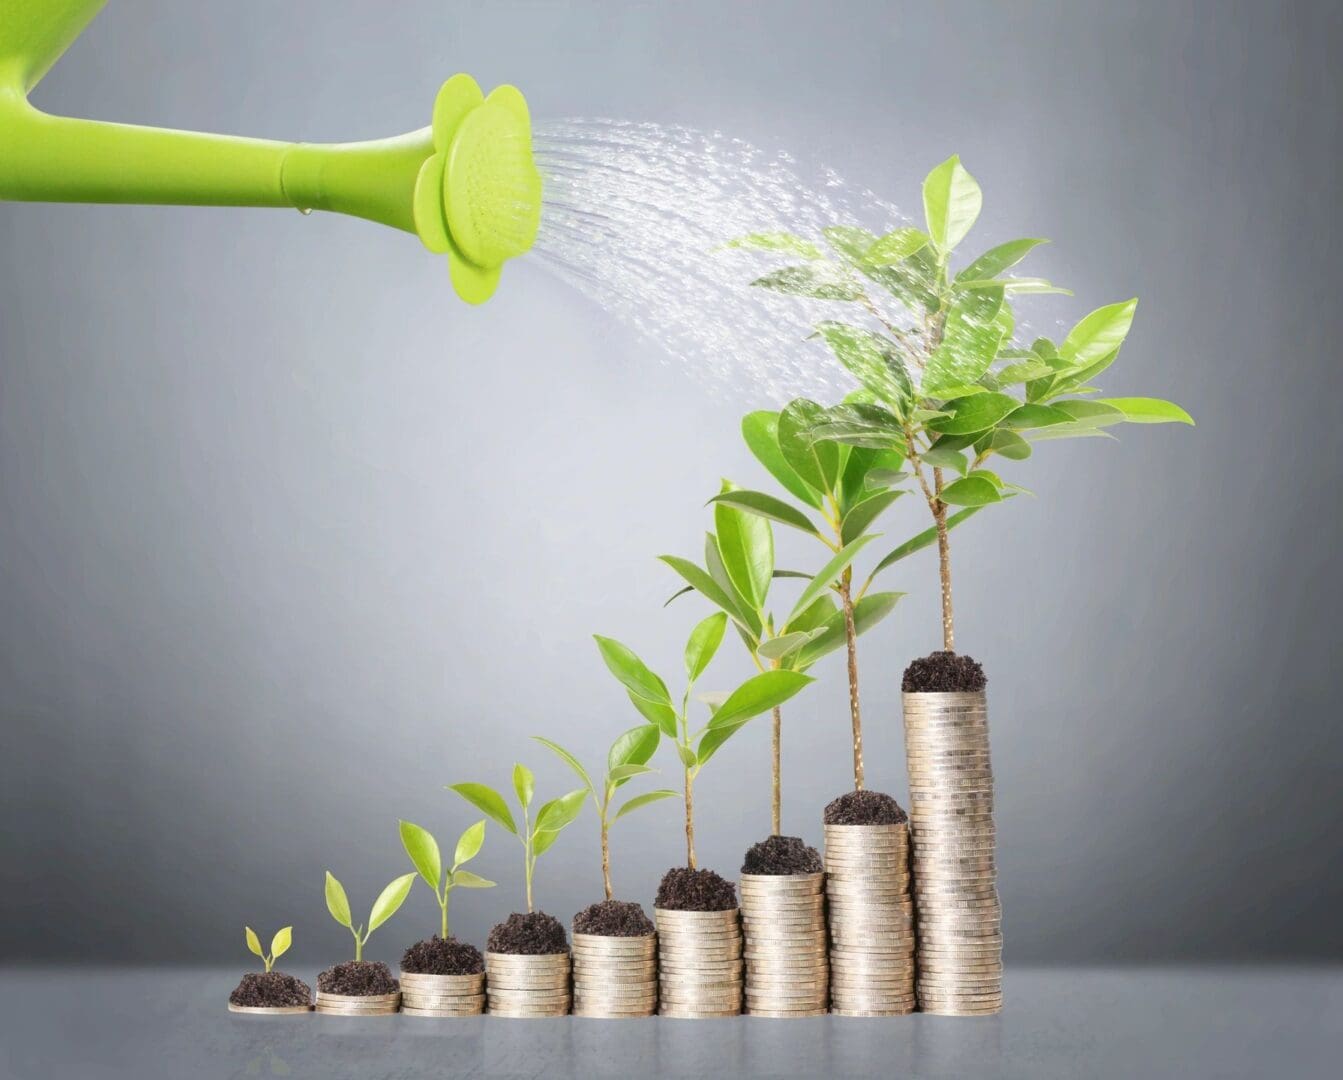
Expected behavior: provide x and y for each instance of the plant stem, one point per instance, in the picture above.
(690, 819)
(358, 947)
(528, 861)
(776, 796)
(944, 565)
(606, 856)
(446, 894)
(851, 641)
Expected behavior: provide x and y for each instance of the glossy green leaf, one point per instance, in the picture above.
(953, 393)
(743, 612)
(700, 580)
(703, 644)
(783, 646)
(946, 457)
(997, 259)
(1069, 431)
(977, 413)
(635, 747)
(1092, 413)
(687, 756)
(422, 848)
(1022, 372)
(850, 243)
(542, 839)
(862, 514)
(489, 801)
(713, 740)
(746, 545)
(970, 491)
(778, 241)
(560, 812)
(895, 247)
(644, 799)
(467, 880)
(254, 942)
(1035, 416)
(830, 573)
(813, 615)
(758, 694)
(924, 539)
(633, 674)
(767, 506)
(1098, 334)
(760, 430)
(524, 784)
(872, 360)
(389, 900)
(969, 342)
(816, 462)
(951, 203)
(658, 713)
(337, 902)
(569, 759)
(1146, 410)
(279, 944)
(867, 613)
(1009, 444)
(628, 772)
(814, 280)
(469, 844)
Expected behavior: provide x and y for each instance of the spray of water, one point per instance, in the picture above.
(636, 217)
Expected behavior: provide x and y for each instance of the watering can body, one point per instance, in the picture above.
(466, 185)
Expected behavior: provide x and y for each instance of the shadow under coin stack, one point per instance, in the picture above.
(527, 985)
(699, 963)
(955, 882)
(783, 920)
(442, 995)
(871, 920)
(615, 976)
(358, 1004)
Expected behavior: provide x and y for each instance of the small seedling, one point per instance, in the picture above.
(648, 693)
(279, 945)
(626, 759)
(536, 837)
(422, 848)
(384, 907)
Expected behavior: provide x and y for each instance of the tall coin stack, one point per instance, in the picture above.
(871, 920)
(955, 880)
(699, 963)
(783, 919)
(527, 985)
(442, 995)
(615, 976)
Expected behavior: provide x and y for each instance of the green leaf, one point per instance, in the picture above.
(337, 902)
(254, 942)
(569, 759)
(951, 203)
(816, 462)
(524, 784)
(703, 644)
(767, 506)
(761, 432)
(953, 393)
(423, 851)
(1098, 334)
(830, 572)
(872, 360)
(713, 740)
(997, 259)
(701, 581)
(758, 694)
(867, 612)
(279, 944)
(862, 514)
(467, 880)
(661, 716)
(818, 281)
(469, 844)
(945, 457)
(781, 647)
(1035, 416)
(634, 747)
(778, 241)
(970, 491)
(742, 611)
(1091, 413)
(389, 900)
(631, 671)
(1146, 410)
(1069, 431)
(1022, 372)
(924, 539)
(628, 772)
(895, 247)
(489, 801)
(1009, 444)
(977, 413)
(558, 813)
(644, 799)
(746, 544)
(814, 615)
(969, 342)
(850, 243)
(687, 756)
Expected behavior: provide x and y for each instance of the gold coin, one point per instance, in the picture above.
(369, 1001)
(473, 1010)
(269, 1010)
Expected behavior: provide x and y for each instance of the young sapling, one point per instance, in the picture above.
(279, 945)
(423, 850)
(384, 907)
(270, 990)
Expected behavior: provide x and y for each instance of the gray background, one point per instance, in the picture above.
(278, 560)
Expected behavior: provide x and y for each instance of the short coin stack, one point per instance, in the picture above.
(871, 920)
(783, 919)
(358, 1005)
(699, 963)
(527, 985)
(955, 880)
(615, 976)
(442, 995)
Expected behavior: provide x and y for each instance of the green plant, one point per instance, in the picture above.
(739, 570)
(279, 944)
(384, 907)
(422, 848)
(935, 374)
(536, 837)
(649, 695)
(626, 759)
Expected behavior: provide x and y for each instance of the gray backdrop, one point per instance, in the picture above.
(279, 559)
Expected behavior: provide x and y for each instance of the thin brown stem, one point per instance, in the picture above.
(851, 641)
(606, 857)
(776, 795)
(690, 819)
(944, 565)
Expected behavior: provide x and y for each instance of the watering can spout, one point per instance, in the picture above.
(466, 185)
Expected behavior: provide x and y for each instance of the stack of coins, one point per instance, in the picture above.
(699, 963)
(783, 919)
(442, 995)
(520, 985)
(615, 976)
(871, 920)
(269, 1010)
(358, 1005)
(955, 880)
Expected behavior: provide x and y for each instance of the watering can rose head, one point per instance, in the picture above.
(478, 195)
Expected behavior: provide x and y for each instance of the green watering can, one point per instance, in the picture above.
(466, 185)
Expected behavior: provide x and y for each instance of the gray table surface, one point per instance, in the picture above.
(1211, 1022)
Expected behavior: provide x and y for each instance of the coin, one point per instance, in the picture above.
(269, 1010)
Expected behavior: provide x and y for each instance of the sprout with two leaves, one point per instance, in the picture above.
(279, 945)
(650, 696)
(423, 850)
(626, 759)
(535, 836)
(384, 907)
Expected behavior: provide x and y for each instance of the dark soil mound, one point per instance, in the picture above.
(534, 934)
(683, 889)
(944, 673)
(782, 855)
(613, 918)
(358, 978)
(270, 990)
(864, 808)
(442, 956)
